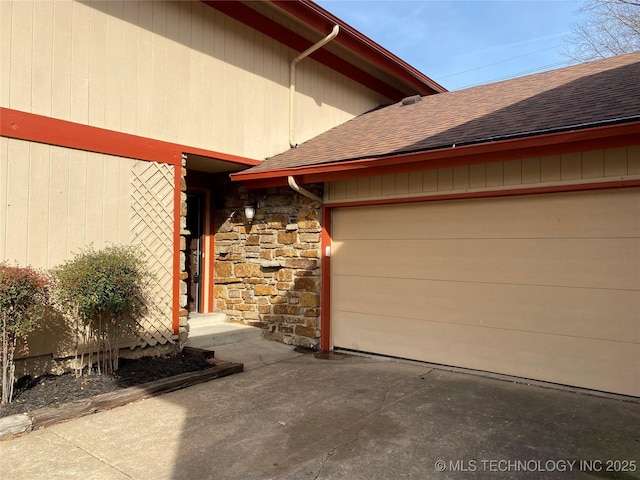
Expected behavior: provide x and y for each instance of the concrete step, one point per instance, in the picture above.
(209, 330)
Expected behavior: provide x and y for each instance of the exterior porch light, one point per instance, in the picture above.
(250, 212)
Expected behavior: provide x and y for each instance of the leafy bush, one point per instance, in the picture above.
(24, 295)
(104, 291)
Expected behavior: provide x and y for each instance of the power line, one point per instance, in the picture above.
(496, 63)
(524, 72)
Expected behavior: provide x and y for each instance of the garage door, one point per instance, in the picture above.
(543, 286)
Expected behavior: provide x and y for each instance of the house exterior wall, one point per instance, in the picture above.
(268, 274)
(54, 201)
(567, 169)
(474, 270)
(177, 71)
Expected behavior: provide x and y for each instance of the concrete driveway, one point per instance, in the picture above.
(294, 416)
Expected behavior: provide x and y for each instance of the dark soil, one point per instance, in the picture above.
(53, 390)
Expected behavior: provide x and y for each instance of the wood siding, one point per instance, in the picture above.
(585, 167)
(54, 201)
(175, 71)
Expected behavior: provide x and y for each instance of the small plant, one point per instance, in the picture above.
(104, 291)
(24, 295)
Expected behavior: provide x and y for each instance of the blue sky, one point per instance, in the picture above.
(465, 43)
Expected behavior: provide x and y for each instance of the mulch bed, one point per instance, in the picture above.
(54, 390)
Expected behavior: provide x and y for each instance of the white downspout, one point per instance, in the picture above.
(292, 76)
(294, 185)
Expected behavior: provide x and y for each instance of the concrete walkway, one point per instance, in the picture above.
(294, 416)
(208, 331)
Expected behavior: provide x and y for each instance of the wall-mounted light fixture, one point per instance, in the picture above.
(250, 212)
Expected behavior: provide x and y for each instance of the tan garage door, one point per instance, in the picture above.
(542, 286)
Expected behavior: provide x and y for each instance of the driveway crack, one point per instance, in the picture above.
(68, 441)
(370, 419)
(331, 452)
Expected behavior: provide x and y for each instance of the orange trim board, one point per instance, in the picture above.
(610, 136)
(53, 131)
(37, 128)
(325, 280)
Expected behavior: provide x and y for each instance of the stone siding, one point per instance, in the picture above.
(268, 274)
(183, 314)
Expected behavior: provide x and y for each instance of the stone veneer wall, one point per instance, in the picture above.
(183, 314)
(268, 274)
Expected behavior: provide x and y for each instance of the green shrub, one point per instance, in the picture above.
(104, 291)
(24, 295)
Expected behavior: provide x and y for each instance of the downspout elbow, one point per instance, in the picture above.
(302, 191)
(292, 76)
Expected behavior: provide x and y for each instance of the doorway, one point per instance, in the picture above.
(195, 215)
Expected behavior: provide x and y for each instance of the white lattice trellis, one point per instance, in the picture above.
(152, 187)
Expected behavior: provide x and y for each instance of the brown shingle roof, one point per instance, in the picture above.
(573, 97)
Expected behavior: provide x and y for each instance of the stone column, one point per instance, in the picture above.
(183, 323)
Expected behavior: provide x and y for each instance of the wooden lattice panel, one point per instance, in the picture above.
(152, 186)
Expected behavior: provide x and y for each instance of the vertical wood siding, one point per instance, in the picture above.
(585, 167)
(176, 71)
(56, 200)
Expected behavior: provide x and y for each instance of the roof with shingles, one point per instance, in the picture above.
(589, 94)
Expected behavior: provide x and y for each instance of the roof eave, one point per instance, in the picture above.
(596, 138)
(321, 20)
(409, 80)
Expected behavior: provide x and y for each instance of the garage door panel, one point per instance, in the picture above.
(540, 286)
(606, 213)
(568, 360)
(575, 312)
(555, 262)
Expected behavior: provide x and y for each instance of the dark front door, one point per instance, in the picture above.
(194, 251)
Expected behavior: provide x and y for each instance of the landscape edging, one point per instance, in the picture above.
(23, 423)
